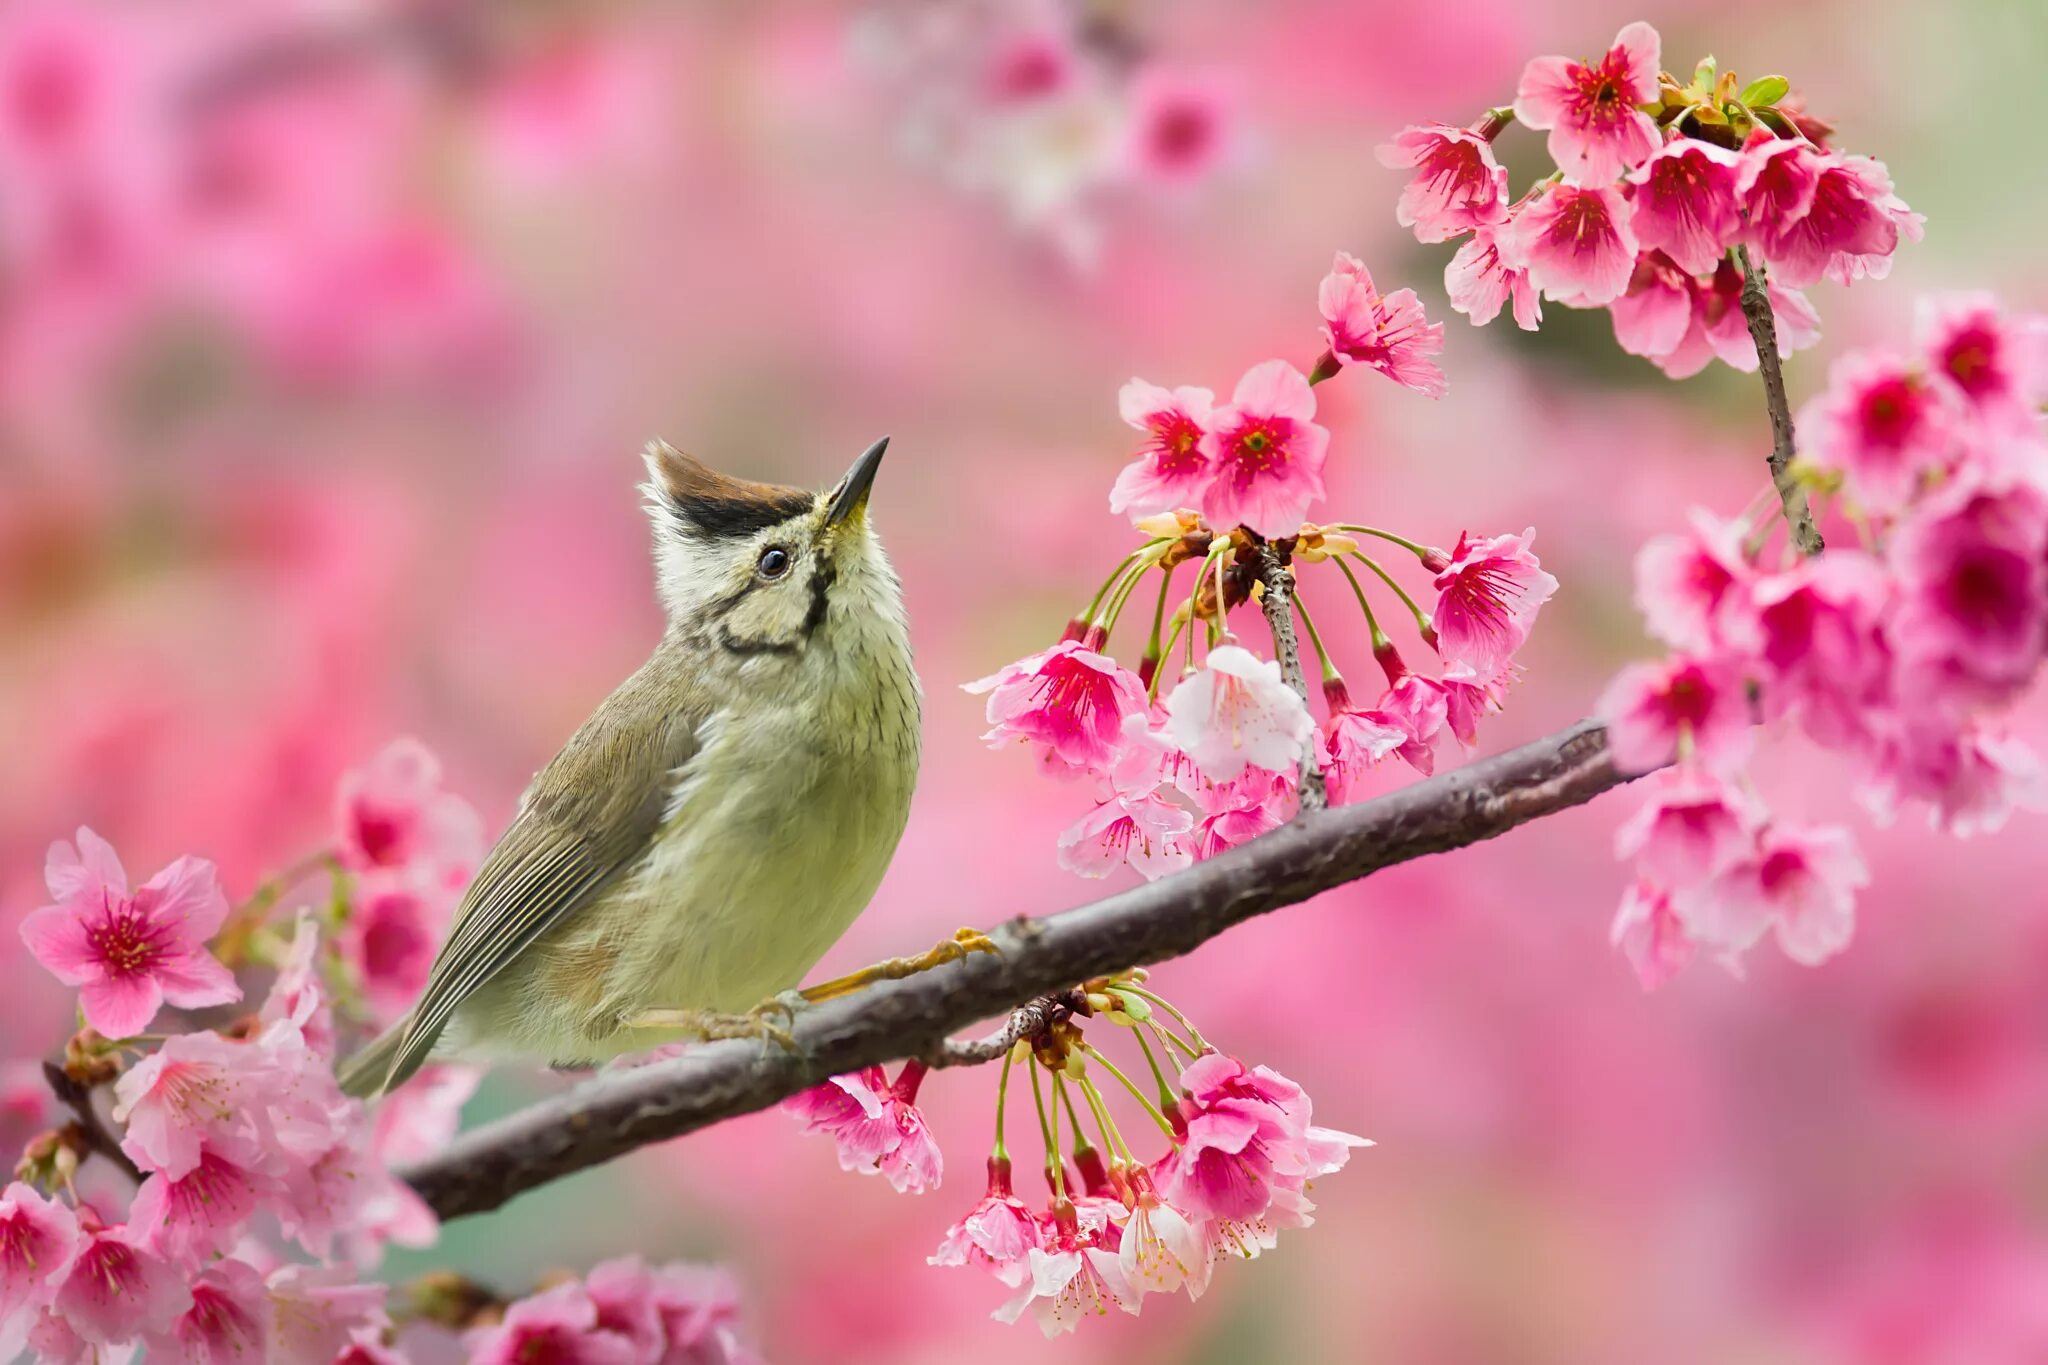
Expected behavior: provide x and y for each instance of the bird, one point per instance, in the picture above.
(719, 821)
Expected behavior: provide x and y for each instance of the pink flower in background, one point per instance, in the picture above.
(1576, 243)
(1687, 582)
(1996, 364)
(558, 1325)
(1684, 201)
(229, 1322)
(1694, 826)
(412, 1123)
(1650, 935)
(1171, 470)
(38, 1237)
(1388, 334)
(622, 1289)
(1801, 882)
(1142, 830)
(1457, 184)
(116, 1291)
(699, 1307)
(128, 954)
(1488, 594)
(391, 813)
(1182, 126)
(876, 1126)
(1354, 742)
(191, 1217)
(998, 1233)
(1882, 425)
(1849, 217)
(1719, 330)
(1234, 818)
(318, 1312)
(1658, 712)
(296, 997)
(1266, 453)
(1237, 712)
(1470, 697)
(1596, 131)
(1972, 565)
(1069, 698)
(393, 930)
(1480, 282)
(1420, 709)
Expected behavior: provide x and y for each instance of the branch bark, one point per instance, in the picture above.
(1278, 602)
(1763, 330)
(619, 1111)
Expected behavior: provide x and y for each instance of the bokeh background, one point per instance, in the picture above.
(329, 333)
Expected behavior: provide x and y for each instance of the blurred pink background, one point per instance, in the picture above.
(328, 338)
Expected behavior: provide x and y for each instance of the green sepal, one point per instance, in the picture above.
(1765, 90)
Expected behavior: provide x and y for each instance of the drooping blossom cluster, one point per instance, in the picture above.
(260, 1195)
(1664, 192)
(1241, 1151)
(1181, 772)
(1049, 109)
(1901, 651)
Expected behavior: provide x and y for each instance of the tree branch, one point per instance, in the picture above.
(1278, 602)
(91, 1130)
(619, 1111)
(1763, 330)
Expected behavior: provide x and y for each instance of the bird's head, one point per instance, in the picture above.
(763, 570)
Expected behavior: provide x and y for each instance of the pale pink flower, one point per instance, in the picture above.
(1801, 882)
(1488, 594)
(1160, 1248)
(38, 1238)
(1237, 712)
(318, 1312)
(1882, 424)
(1972, 566)
(558, 1325)
(1354, 742)
(1974, 781)
(1848, 217)
(1470, 697)
(1388, 334)
(395, 926)
(1816, 630)
(1180, 126)
(1687, 582)
(1694, 826)
(1242, 1129)
(128, 954)
(1266, 452)
(1071, 1275)
(699, 1307)
(296, 997)
(997, 1233)
(1575, 242)
(1596, 130)
(622, 1290)
(1658, 712)
(191, 1217)
(197, 1090)
(1685, 205)
(1719, 330)
(391, 813)
(414, 1122)
(876, 1126)
(1457, 184)
(339, 1190)
(1419, 708)
(1996, 364)
(1650, 935)
(1171, 470)
(1069, 698)
(116, 1290)
(1654, 318)
(229, 1322)
(1480, 282)
(1236, 819)
(1143, 830)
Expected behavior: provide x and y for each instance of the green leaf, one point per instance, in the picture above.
(1765, 90)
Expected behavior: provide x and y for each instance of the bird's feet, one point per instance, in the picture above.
(952, 949)
(768, 1021)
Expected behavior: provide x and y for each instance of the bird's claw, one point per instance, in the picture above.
(960, 945)
(708, 1026)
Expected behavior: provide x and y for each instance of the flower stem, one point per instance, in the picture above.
(1372, 623)
(1315, 640)
(1158, 1074)
(1059, 1160)
(1423, 623)
(1112, 1136)
(1095, 1055)
(1049, 1132)
(1763, 331)
(1169, 1007)
(1002, 1152)
(1152, 650)
(1419, 551)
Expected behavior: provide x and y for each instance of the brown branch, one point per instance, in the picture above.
(619, 1111)
(95, 1133)
(1278, 602)
(1763, 330)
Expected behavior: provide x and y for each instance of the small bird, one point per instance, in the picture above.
(719, 821)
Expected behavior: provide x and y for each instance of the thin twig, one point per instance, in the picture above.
(1763, 330)
(1027, 1020)
(617, 1112)
(1278, 602)
(78, 1099)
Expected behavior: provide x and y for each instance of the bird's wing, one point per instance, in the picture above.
(591, 814)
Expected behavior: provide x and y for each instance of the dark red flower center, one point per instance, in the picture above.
(1176, 441)
(1971, 359)
(1891, 412)
(123, 939)
(1182, 133)
(1259, 445)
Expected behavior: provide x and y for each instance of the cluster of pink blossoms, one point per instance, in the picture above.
(1901, 652)
(1241, 1152)
(1218, 758)
(262, 1194)
(1659, 186)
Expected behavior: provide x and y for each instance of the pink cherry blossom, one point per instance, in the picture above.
(413, 1123)
(622, 1290)
(395, 926)
(1266, 452)
(1596, 130)
(1973, 781)
(1480, 282)
(1719, 330)
(198, 1089)
(1242, 1126)
(1182, 126)
(1685, 205)
(1419, 708)
(191, 1217)
(317, 1312)
(128, 954)
(1882, 424)
(699, 1307)
(1069, 698)
(116, 1290)
(1388, 334)
(1457, 184)
(1470, 697)
(1233, 822)
(1801, 883)
(1488, 594)
(1657, 712)
(1171, 470)
(1692, 827)
(296, 997)
(1141, 830)
(1576, 243)
(1775, 183)
(1654, 316)
(229, 1322)
(1847, 217)
(38, 1238)
(997, 1233)
(1160, 1248)
(1071, 1275)
(391, 813)
(557, 1325)
(1996, 364)
(1354, 742)
(1688, 583)
(1650, 935)
(1816, 630)
(1237, 712)
(876, 1126)
(1972, 564)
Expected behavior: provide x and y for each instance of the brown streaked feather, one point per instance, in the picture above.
(719, 504)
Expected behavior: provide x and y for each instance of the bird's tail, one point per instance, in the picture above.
(374, 1069)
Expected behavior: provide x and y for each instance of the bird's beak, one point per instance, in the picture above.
(852, 496)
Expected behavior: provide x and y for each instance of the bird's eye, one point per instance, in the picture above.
(774, 562)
